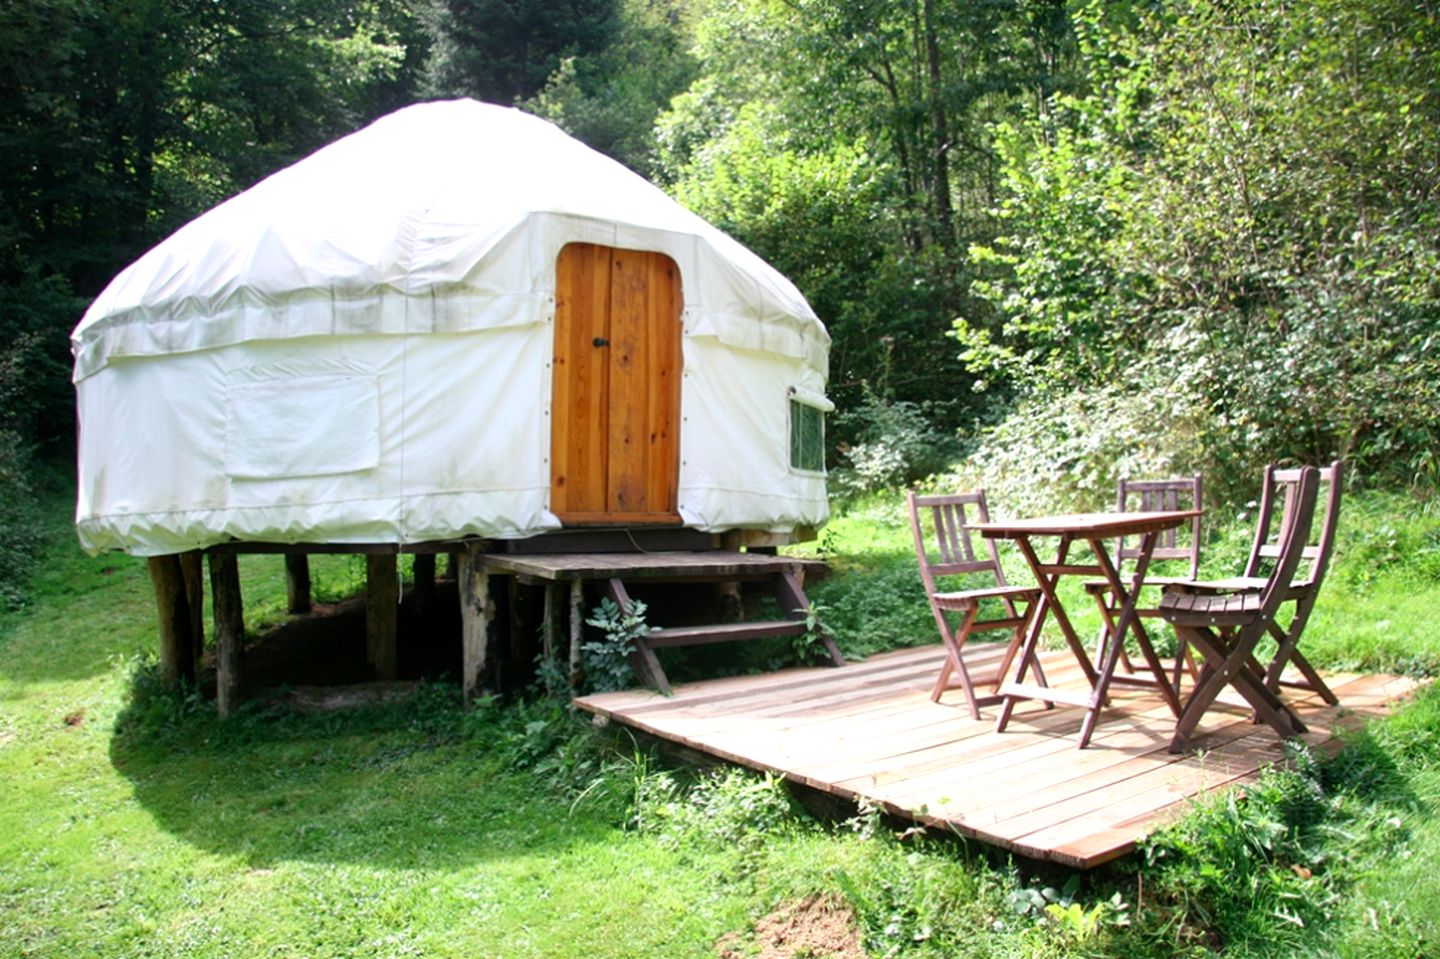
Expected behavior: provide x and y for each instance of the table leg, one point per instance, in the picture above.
(1127, 620)
(1048, 602)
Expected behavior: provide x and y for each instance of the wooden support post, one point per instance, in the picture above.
(477, 612)
(229, 631)
(790, 593)
(577, 627)
(514, 662)
(642, 659)
(193, 570)
(554, 612)
(424, 593)
(297, 582)
(177, 656)
(382, 613)
(453, 559)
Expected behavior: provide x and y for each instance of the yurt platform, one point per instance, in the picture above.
(868, 731)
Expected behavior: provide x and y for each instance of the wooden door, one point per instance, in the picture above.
(615, 435)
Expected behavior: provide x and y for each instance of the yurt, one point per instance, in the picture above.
(456, 322)
(455, 328)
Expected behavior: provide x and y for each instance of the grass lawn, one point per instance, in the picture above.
(132, 823)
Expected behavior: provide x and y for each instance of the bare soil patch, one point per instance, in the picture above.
(817, 927)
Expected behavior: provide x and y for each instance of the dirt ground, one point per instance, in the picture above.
(818, 927)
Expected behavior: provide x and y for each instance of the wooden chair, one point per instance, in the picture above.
(1278, 488)
(1152, 496)
(950, 551)
(1227, 626)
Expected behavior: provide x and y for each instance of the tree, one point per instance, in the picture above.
(122, 119)
(875, 114)
(503, 51)
(610, 99)
(1248, 199)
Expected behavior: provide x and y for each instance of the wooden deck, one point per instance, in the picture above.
(869, 730)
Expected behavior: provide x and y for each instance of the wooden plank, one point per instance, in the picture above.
(664, 304)
(229, 631)
(382, 619)
(746, 701)
(874, 733)
(707, 564)
(721, 632)
(579, 380)
(726, 689)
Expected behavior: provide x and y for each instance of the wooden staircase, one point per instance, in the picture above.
(789, 593)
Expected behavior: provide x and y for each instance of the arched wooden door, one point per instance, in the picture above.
(615, 410)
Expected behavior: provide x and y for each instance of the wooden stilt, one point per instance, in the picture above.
(514, 662)
(477, 612)
(382, 607)
(193, 570)
(550, 626)
(297, 582)
(424, 592)
(177, 657)
(229, 631)
(577, 627)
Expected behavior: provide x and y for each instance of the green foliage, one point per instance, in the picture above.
(846, 144)
(1280, 866)
(732, 807)
(1218, 211)
(894, 444)
(610, 98)
(1060, 453)
(607, 658)
(485, 831)
(503, 52)
(809, 647)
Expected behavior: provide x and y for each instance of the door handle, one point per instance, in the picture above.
(600, 341)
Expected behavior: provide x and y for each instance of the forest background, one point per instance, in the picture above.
(1050, 239)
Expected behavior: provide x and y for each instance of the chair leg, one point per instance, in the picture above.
(1208, 685)
(1287, 652)
(1267, 705)
(955, 662)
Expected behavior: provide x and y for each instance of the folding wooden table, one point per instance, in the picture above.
(1095, 529)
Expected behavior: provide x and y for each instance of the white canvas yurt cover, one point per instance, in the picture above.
(361, 349)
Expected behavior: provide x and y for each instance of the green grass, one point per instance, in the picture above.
(134, 823)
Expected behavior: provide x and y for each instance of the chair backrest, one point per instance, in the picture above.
(1293, 541)
(1279, 486)
(950, 549)
(1159, 495)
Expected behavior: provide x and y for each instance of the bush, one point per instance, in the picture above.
(893, 444)
(1058, 453)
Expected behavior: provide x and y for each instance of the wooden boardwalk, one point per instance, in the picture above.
(869, 730)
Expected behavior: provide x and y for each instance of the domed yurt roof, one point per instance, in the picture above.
(416, 205)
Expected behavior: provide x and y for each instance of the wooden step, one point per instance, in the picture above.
(661, 638)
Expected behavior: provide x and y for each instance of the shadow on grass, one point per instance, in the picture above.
(415, 785)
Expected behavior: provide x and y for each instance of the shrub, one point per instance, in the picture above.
(892, 444)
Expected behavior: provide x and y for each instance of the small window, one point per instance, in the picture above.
(807, 430)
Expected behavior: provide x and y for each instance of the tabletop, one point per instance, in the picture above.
(1086, 525)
